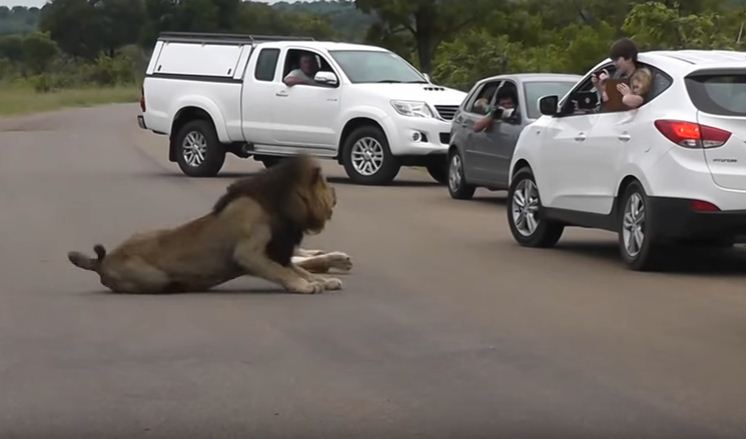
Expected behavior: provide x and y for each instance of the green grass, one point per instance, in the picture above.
(15, 100)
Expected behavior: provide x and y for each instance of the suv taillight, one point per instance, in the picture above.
(692, 135)
(142, 98)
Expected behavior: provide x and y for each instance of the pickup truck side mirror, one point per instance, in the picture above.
(548, 105)
(326, 78)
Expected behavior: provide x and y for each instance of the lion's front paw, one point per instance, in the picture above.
(332, 284)
(305, 287)
(339, 261)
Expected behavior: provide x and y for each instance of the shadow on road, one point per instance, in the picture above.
(333, 180)
(218, 291)
(676, 260)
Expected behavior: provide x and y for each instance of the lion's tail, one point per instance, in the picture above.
(87, 263)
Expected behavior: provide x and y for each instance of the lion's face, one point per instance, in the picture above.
(321, 199)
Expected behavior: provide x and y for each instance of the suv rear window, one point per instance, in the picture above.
(721, 93)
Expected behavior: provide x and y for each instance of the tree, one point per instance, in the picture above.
(654, 25)
(430, 22)
(75, 25)
(39, 51)
(122, 22)
(11, 48)
(258, 18)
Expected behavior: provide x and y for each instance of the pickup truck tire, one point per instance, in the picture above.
(438, 170)
(199, 152)
(367, 158)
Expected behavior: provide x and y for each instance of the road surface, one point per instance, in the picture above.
(445, 327)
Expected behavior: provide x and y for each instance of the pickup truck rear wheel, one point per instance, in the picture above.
(367, 158)
(198, 149)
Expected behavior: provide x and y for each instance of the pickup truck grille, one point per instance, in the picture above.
(447, 111)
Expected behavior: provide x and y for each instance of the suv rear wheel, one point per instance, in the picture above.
(525, 215)
(367, 158)
(199, 152)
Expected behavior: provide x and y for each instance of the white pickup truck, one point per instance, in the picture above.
(367, 108)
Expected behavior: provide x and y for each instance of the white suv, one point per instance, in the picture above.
(671, 171)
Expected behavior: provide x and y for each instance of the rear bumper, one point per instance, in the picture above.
(141, 122)
(674, 219)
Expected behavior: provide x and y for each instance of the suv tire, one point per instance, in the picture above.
(199, 152)
(637, 244)
(367, 158)
(526, 214)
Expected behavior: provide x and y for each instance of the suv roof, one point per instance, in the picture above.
(686, 61)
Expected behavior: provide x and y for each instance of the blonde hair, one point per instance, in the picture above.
(645, 77)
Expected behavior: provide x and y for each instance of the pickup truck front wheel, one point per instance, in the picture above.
(198, 149)
(367, 158)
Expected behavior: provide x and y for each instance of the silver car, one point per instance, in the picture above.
(482, 159)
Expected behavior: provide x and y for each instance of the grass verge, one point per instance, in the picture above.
(24, 100)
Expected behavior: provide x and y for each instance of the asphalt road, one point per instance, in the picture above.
(445, 328)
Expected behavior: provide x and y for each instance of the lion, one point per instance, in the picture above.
(255, 228)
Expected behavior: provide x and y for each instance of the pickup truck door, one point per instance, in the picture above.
(306, 115)
(257, 96)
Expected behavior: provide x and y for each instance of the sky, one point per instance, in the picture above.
(40, 3)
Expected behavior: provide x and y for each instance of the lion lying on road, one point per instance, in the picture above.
(254, 229)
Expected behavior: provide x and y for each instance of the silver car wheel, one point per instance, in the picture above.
(367, 156)
(455, 173)
(525, 207)
(194, 149)
(633, 225)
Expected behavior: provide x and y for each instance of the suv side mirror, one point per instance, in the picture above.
(548, 105)
(326, 78)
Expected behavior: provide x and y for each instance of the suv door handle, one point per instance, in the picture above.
(625, 137)
(580, 137)
(282, 94)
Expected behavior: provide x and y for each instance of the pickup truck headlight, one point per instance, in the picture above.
(412, 108)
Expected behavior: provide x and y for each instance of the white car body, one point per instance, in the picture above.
(581, 163)
(217, 74)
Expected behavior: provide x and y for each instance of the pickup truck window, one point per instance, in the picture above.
(366, 66)
(266, 64)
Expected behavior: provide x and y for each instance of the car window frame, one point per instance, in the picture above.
(469, 103)
(277, 63)
(608, 65)
(517, 116)
(287, 53)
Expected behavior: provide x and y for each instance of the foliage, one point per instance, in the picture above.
(428, 21)
(86, 42)
(655, 25)
(18, 20)
(39, 51)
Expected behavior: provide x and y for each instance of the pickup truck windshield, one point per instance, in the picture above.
(365, 66)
